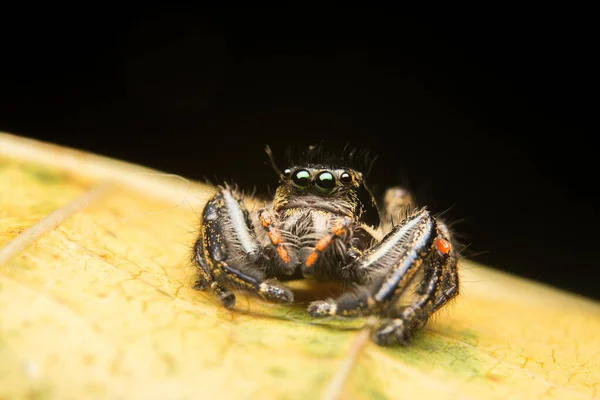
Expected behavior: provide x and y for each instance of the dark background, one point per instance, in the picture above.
(485, 114)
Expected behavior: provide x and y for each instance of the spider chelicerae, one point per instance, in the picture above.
(398, 261)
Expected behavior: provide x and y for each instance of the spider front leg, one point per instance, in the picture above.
(439, 285)
(340, 229)
(420, 243)
(227, 252)
(284, 259)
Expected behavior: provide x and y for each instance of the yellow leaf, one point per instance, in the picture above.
(96, 301)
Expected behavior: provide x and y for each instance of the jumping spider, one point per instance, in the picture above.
(323, 223)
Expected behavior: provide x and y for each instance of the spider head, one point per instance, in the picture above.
(331, 188)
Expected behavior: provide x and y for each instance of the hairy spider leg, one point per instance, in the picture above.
(440, 280)
(450, 285)
(338, 230)
(205, 278)
(440, 284)
(268, 220)
(224, 209)
(450, 279)
(394, 261)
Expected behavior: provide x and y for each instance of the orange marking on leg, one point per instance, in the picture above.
(283, 254)
(275, 237)
(323, 242)
(338, 230)
(443, 246)
(311, 259)
(265, 219)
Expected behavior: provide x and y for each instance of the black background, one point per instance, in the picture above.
(485, 114)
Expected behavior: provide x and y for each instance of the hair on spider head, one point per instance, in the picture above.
(350, 157)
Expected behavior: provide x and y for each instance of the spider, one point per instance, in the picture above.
(323, 223)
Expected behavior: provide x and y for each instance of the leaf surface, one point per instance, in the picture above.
(96, 301)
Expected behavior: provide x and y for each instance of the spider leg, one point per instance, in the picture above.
(227, 250)
(269, 220)
(205, 279)
(399, 204)
(338, 230)
(389, 268)
(449, 288)
(450, 281)
(439, 286)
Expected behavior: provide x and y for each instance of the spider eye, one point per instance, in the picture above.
(287, 173)
(325, 180)
(345, 178)
(301, 178)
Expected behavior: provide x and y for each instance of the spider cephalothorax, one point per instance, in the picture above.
(324, 224)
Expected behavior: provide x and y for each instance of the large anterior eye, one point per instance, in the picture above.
(325, 180)
(301, 178)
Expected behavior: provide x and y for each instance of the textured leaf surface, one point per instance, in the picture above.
(96, 302)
